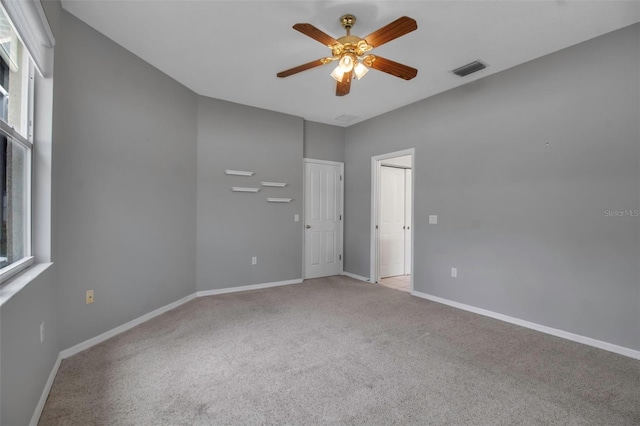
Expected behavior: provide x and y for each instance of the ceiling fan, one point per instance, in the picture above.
(351, 52)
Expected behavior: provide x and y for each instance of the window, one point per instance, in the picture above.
(16, 106)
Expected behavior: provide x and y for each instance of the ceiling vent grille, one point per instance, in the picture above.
(465, 70)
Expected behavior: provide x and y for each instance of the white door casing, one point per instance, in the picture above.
(376, 166)
(392, 221)
(323, 218)
(407, 221)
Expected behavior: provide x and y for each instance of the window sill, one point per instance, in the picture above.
(20, 281)
(13, 270)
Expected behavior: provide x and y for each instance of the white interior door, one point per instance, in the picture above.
(407, 221)
(392, 218)
(323, 216)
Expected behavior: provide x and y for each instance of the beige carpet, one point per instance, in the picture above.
(336, 350)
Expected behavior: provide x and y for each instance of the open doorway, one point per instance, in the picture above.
(392, 214)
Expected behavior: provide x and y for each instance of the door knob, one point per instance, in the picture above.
(308, 226)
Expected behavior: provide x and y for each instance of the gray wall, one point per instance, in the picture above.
(26, 363)
(323, 142)
(233, 227)
(124, 172)
(524, 222)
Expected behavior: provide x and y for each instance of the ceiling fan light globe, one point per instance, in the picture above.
(346, 63)
(360, 70)
(337, 73)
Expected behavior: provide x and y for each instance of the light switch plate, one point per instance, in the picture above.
(454, 272)
(433, 219)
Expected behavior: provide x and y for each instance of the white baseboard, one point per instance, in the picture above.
(146, 317)
(122, 328)
(129, 325)
(246, 287)
(35, 418)
(631, 353)
(354, 276)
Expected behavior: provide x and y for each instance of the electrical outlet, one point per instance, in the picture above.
(454, 272)
(89, 298)
(42, 332)
(254, 260)
(296, 218)
(433, 219)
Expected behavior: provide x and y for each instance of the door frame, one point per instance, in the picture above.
(374, 250)
(306, 161)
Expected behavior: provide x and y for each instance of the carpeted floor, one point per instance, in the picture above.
(336, 350)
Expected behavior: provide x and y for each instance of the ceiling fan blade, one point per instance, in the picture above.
(316, 34)
(392, 31)
(343, 87)
(301, 68)
(394, 68)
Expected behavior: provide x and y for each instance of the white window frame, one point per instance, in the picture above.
(10, 271)
(28, 98)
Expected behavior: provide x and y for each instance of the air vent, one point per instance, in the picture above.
(345, 118)
(469, 68)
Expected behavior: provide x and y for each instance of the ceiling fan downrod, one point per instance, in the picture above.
(347, 21)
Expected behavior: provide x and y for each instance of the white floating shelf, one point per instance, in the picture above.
(238, 173)
(278, 184)
(242, 189)
(279, 200)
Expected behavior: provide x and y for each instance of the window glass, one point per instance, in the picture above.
(14, 210)
(14, 77)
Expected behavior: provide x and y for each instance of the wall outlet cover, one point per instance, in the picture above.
(433, 219)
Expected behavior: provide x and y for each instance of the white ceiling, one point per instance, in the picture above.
(232, 50)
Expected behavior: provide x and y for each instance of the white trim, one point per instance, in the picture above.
(122, 328)
(305, 161)
(246, 287)
(354, 276)
(631, 353)
(35, 418)
(331, 163)
(12, 133)
(276, 184)
(41, 169)
(15, 268)
(376, 163)
(31, 25)
(244, 189)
